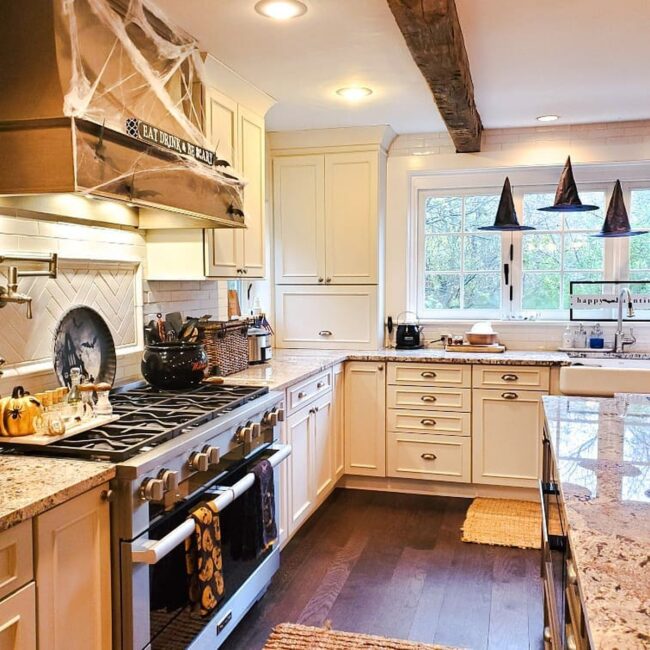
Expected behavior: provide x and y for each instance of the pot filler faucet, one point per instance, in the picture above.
(10, 292)
(620, 340)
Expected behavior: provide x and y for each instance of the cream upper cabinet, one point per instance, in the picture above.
(299, 219)
(238, 136)
(351, 218)
(507, 436)
(326, 217)
(365, 418)
(73, 574)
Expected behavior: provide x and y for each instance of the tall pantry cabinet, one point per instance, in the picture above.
(328, 221)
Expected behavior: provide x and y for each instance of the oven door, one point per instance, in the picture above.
(157, 560)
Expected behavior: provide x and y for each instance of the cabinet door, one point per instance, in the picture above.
(351, 218)
(299, 219)
(18, 620)
(73, 574)
(365, 418)
(251, 147)
(300, 481)
(507, 437)
(338, 420)
(224, 247)
(323, 446)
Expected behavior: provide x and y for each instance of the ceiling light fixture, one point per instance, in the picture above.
(354, 93)
(548, 118)
(281, 9)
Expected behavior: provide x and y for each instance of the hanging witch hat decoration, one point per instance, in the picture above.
(566, 195)
(617, 223)
(506, 218)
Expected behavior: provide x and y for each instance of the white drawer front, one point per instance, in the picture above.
(306, 391)
(16, 558)
(444, 399)
(450, 424)
(430, 374)
(521, 377)
(432, 458)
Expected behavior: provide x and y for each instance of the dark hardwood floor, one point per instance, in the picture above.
(394, 565)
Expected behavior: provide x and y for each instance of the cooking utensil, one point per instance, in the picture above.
(409, 335)
(189, 331)
(160, 324)
(83, 340)
(175, 321)
(174, 365)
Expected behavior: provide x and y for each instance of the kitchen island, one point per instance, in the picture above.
(601, 452)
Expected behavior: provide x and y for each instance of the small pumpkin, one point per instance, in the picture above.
(18, 413)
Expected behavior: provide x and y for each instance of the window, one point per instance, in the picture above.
(639, 212)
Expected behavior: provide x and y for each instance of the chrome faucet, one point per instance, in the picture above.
(620, 340)
(10, 293)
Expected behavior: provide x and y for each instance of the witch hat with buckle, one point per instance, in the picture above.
(617, 223)
(566, 195)
(506, 218)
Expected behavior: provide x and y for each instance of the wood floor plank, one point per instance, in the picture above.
(535, 602)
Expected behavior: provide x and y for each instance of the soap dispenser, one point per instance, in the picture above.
(580, 340)
(567, 338)
(596, 337)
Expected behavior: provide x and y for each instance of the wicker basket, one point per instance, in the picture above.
(226, 343)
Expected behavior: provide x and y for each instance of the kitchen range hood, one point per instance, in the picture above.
(100, 98)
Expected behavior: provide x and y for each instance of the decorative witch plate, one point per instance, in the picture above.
(82, 340)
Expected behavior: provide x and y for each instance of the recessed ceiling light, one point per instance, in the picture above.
(548, 118)
(281, 9)
(354, 93)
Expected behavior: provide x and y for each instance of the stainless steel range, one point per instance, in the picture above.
(175, 450)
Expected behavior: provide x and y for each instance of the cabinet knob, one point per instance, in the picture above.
(428, 457)
(328, 280)
(320, 279)
(108, 495)
(509, 377)
(302, 394)
(428, 374)
(380, 368)
(428, 398)
(244, 271)
(428, 422)
(509, 395)
(320, 384)
(325, 333)
(547, 634)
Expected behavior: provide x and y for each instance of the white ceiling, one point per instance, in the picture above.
(586, 60)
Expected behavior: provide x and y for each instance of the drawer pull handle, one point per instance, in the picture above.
(428, 398)
(301, 395)
(428, 422)
(509, 377)
(325, 333)
(509, 395)
(428, 374)
(320, 384)
(428, 457)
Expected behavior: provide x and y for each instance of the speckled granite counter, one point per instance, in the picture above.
(29, 485)
(290, 366)
(602, 451)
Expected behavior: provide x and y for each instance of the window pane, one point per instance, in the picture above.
(480, 211)
(640, 209)
(541, 220)
(442, 292)
(541, 291)
(587, 220)
(482, 291)
(585, 289)
(482, 252)
(442, 253)
(640, 252)
(582, 251)
(541, 251)
(442, 214)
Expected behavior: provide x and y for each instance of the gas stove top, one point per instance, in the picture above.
(148, 417)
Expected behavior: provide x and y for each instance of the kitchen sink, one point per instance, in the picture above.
(603, 377)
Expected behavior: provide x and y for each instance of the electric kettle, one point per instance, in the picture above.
(409, 334)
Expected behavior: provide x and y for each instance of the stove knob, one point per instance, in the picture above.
(271, 418)
(152, 489)
(280, 414)
(213, 454)
(199, 461)
(256, 429)
(169, 479)
(244, 434)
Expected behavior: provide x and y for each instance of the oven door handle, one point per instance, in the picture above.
(152, 551)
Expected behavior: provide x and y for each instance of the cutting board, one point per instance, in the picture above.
(466, 347)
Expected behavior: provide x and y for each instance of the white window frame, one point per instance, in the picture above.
(633, 175)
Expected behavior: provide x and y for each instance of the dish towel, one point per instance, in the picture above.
(255, 529)
(203, 560)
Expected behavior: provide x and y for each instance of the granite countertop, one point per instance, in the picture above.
(30, 485)
(602, 451)
(289, 366)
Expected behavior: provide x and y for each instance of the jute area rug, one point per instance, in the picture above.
(505, 522)
(288, 636)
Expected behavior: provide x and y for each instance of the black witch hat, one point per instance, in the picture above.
(617, 223)
(566, 195)
(506, 218)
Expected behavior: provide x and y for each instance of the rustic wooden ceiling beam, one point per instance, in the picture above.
(432, 32)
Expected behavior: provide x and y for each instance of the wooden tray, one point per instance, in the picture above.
(466, 347)
(35, 439)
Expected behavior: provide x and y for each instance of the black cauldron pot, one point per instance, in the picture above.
(174, 365)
